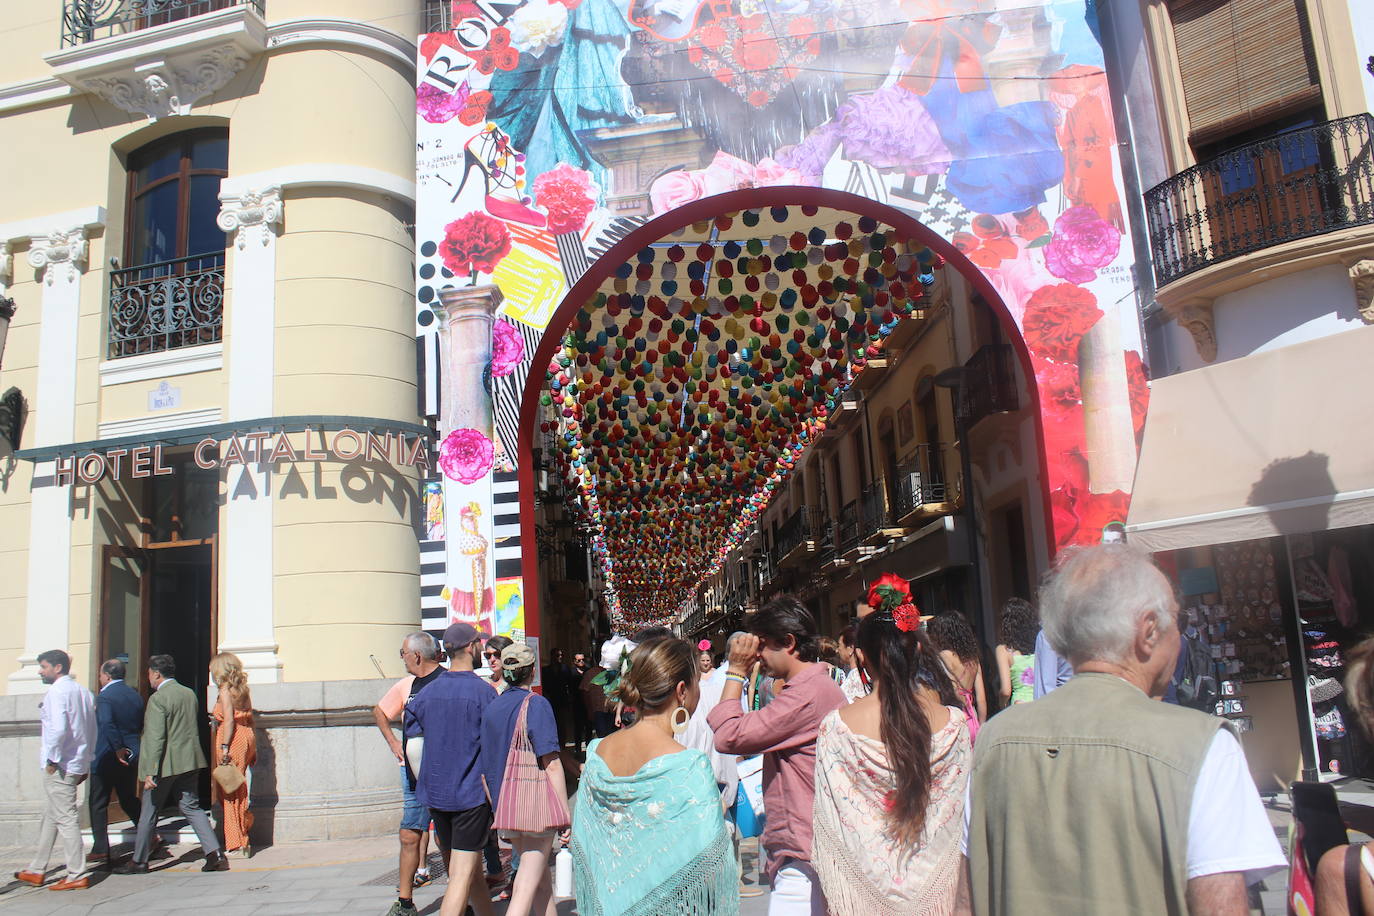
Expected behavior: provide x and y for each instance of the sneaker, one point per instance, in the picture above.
(401, 908)
(422, 877)
(1330, 726)
(1323, 689)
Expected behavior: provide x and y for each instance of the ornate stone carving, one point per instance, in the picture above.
(59, 254)
(169, 87)
(1197, 318)
(253, 213)
(1362, 275)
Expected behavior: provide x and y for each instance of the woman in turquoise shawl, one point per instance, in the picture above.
(648, 833)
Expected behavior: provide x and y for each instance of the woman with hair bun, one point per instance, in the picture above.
(236, 744)
(648, 834)
(891, 769)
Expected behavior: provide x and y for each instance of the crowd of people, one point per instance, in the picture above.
(868, 765)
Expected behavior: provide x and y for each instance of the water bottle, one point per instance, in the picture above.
(563, 873)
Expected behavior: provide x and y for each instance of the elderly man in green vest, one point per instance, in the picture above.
(169, 763)
(1097, 798)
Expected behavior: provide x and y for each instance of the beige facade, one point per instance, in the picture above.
(312, 564)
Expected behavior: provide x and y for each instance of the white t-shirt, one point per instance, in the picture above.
(1227, 827)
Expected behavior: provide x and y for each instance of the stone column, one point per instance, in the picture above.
(250, 337)
(60, 256)
(1110, 434)
(466, 317)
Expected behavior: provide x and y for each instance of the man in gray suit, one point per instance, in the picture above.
(169, 763)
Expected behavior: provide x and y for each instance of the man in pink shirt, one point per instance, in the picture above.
(783, 635)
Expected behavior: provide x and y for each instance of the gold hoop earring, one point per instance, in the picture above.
(680, 725)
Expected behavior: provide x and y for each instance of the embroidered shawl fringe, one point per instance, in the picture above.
(705, 886)
(849, 892)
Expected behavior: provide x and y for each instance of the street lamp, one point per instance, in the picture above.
(957, 380)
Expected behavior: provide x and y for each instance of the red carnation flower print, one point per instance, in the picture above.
(474, 243)
(1056, 318)
(569, 196)
(756, 52)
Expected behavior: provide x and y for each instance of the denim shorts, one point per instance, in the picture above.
(414, 816)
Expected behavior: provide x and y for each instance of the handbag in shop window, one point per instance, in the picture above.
(528, 803)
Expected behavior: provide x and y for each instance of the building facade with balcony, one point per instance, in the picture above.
(1254, 154)
(884, 487)
(215, 441)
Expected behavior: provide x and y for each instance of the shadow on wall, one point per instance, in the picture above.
(262, 802)
(1301, 479)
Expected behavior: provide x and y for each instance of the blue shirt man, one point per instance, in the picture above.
(1051, 671)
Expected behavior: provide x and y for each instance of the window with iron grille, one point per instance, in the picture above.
(170, 293)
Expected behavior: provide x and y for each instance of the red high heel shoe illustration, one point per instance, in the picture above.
(502, 168)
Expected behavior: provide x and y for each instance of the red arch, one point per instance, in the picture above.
(709, 208)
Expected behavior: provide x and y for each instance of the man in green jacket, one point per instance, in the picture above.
(169, 764)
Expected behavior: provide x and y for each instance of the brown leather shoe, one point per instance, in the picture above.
(72, 884)
(30, 877)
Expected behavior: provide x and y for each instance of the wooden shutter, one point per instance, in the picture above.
(1242, 62)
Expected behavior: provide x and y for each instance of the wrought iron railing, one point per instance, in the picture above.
(438, 15)
(166, 305)
(847, 529)
(989, 384)
(1293, 185)
(921, 480)
(803, 525)
(91, 20)
(873, 514)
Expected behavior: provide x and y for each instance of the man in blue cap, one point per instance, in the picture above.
(448, 713)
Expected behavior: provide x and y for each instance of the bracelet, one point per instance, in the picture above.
(731, 676)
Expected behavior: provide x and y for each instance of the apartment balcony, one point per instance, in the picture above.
(1296, 185)
(157, 58)
(847, 537)
(989, 385)
(165, 306)
(921, 492)
(877, 525)
(800, 536)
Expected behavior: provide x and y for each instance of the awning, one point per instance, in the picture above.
(1280, 442)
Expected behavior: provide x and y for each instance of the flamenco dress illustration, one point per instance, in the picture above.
(582, 87)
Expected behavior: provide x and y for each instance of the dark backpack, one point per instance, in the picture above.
(1197, 685)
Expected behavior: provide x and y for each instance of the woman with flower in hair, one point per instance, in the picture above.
(649, 834)
(891, 769)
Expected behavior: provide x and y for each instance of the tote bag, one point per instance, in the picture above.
(528, 802)
(749, 811)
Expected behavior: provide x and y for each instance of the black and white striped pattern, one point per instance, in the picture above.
(505, 522)
(509, 389)
(433, 611)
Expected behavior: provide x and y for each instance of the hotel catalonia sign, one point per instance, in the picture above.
(246, 449)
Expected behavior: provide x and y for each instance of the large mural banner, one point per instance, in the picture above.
(549, 129)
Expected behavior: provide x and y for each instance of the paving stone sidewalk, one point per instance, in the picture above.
(318, 879)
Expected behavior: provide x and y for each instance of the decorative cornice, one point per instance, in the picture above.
(255, 213)
(321, 175)
(344, 33)
(163, 364)
(166, 88)
(60, 252)
(1197, 318)
(1362, 276)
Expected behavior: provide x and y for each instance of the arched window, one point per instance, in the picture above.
(170, 293)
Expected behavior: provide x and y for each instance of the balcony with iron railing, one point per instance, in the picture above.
(847, 536)
(921, 490)
(439, 15)
(989, 384)
(165, 306)
(800, 535)
(1293, 185)
(91, 20)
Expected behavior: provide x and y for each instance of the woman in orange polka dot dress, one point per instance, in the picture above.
(235, 743)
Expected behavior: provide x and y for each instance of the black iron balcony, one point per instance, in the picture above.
(91, 20)
(800, 535)
(847, 530)
(989, 385)
(438, 15)
(167, 305)
(1293, 185)
(920, 490)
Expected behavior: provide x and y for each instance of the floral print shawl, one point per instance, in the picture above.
(863, 871)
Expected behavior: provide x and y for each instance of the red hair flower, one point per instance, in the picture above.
(888, 591)
(907, 617)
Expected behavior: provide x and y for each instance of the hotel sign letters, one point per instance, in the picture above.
(245, 449)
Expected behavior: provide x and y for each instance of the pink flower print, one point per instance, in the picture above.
(466, 455)
(1027, 676)
(1082, 243)
(507, 348)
